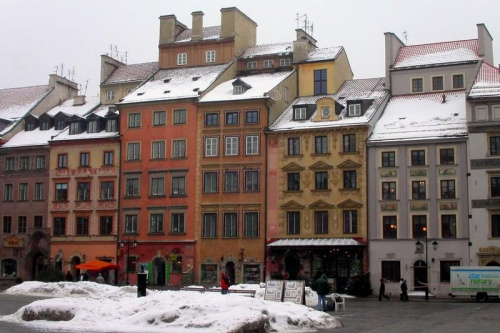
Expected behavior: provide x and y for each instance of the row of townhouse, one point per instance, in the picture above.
(261, 161)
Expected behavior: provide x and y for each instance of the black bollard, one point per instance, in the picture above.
(141, 284)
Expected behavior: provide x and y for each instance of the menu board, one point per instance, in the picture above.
(274, 290)
(295, 291)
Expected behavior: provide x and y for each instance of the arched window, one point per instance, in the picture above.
(9, 268)
(176, 258)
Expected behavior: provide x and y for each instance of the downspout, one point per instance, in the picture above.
(265, 197)
(118, 195)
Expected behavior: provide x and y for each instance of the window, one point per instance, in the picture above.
(24, 163)
(447, 156)
(418, 190)
(448, 226)
(481, 113)
(8, 192)
(39, 191)
(61, 192)
(210, 182)
(321, 222)
(388, 159)
(321, 180)
(495, 112)
(350, 180)
(419, 226)
(349, 141)
(320, 82)
(495, 225)
(231, 181)
(179, 149)
(389, 227)
(182, 58)
(210, 56)
(107, 190)
(231, 148)
(391, 270)
(23, 191)
(7, 224)
(108, 158)
(293, 146)
(22, 224)
(447, 189)
(179, 117)
(177, 265)
(83, 191)
(299, 113)
(251, 181)
(111, 125)
(458, 81)
(62, 161)
(252, 145)
(268, 63)
(293, 223)
(285, 62)
(60, 124)
(133, 151)
(286, 94)
(388, 190)
(40, 162)
(417, 85)
(157, 186)
(437, 83)
(110, 95)
(179, 185)
(74, 128)
(159, 118)
(105, 225)
(495, 187)
(231, 118)
(92, 126)
(444, 269)
(131, 264)
(38, 221)
(238, 90)
(84, 159)
(158, 150)
(131, 224)
(252, 117)
(44, 125)
(9, 164)
(177, 223)
(156, 223)
(134, 120)
(210, 225)
(252, 65)
(230, 225)
(59, 226)
(211, 119)
(495, 145)
(354, 110)
(211, 146)
(82, 226)
(250, 224)
(418, 157)
(293, 181)
(132, 187)
(350, 221)
(30, 127)
(320, 145)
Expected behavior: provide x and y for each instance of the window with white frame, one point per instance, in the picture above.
(285, 62)
(157, 186)
(458, 81)
(93, 126)
(159, 118)
(237, 90)
(210, 56)
(252, 145)
(437, 83)
(350, 221)
(251, 224)
(354, 110)
(133, 151)
(230, 225)
(481, 113)
(417, 85)
(251, 180)
(299, 113)
(156, 223)
(182, 58)
(131, 222)
(496, 112)
(177, 225)
(110, 95)
(39, 191)
(179, 185)
(252, 65)
(210, 181)
(268, 63)
(211, 146)
(134, 120)
(179, 149)
(231, 148)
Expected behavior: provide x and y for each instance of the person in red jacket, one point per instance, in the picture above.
(224, 283)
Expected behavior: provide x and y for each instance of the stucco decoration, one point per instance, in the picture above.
(320, 204)
(334, 142)
(419, 206)
(388, 173)
(489, 249)
(447, 172)
(306, 179)
(293, 167)
(448, 205)
(349, 164)
(306, 143)
(335, 177)
(418, 172)
(292, 205)
(350, 204)
(320, 166)
(487, 203)
(485, 163)
(389, 207)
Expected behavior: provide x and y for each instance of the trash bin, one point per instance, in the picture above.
(141, 284)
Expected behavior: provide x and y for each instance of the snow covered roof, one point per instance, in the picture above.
(360, 89)
(268, 49)
(132, 73)
(208, 33)
(261, 85)
(423, 116)
(436, 54)
(176, 83)
(285, 242)
(328, 53)
(69, 109)
(487, 82)
(17, 102)
(31, 138)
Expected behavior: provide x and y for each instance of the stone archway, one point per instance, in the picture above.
(231, 272)
(493, 263)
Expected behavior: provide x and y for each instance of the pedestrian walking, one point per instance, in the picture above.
(381, 292)
(224, 283)
(321, 287)
(404, 291)
(69, 277)
(100, 279)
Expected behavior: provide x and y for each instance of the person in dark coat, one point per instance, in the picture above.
(404, 291)
(69, 277)
(322, 287)
(381, 292)
(224, 283)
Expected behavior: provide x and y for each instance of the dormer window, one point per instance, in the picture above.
(299, 114)
(285, 62)
(44, 126)
(30, 126)
(60, 124)
(74, 128)
(110, 95)
(252, 65)
(354, 110)
(111, 125)
(182, 58)
(240, 86)
(238, 90)
(93, 126)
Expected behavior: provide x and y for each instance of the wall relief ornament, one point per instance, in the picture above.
(448, 205)
(447, 172)
(418, 172)
(419, 206)
(388, 173)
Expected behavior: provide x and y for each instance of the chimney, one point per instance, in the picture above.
(302, 45)
(392, 46)
(197, 32)
(169, 29)
(79, 100)
(485, 42)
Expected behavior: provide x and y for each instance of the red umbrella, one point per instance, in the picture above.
(96, 265)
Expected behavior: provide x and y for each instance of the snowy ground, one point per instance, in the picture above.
(91, 307)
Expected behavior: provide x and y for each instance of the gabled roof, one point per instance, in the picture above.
(323, 54)
(208, 33)
(487, 82)
(69, 109)
(15, 103)
(423, 116)
(268, 49)
(132, 73)
(437, 54)
(176, 83)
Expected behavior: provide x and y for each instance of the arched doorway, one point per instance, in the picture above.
(493, 263)
(159, 271)
(230, 271)
(419, 275)
(292, 265)
(39, 263)
(75, 271)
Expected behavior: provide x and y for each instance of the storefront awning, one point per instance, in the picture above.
(96, 265)
(315, 242)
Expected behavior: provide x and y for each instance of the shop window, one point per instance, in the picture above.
(391, 270)
(251, 273)
(444, 269)
(209, 273)
(177, 265)
(9, 268)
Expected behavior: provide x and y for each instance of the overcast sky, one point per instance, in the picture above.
(36, 36)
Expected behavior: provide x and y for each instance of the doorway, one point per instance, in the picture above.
(39, 263)
(75, 271)
(292, 266)
(159, 271)
(420, 275)
(230, 272)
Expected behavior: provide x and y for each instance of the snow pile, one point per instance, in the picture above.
(113, 309)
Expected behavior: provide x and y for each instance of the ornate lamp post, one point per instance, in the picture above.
(418, 246)
(128, 242)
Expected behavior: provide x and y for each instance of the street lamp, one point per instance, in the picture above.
(418, 246)
(128, 242)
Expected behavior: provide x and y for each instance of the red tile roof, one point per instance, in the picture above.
(16, 102)
(208, 33)
(487, 82)
(132, 73)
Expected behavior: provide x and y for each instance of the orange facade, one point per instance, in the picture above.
(197, 53)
